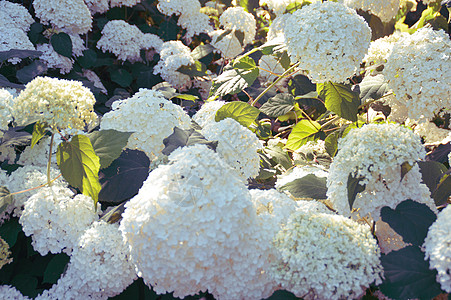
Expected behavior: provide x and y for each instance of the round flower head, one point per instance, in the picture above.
(229, 46)
(218, 249)
(328, 53)
(236, 18)
(55, 219)
(10, 293)
(122, 39)
(14, 38)
(375, 154)
(326, 256)
(72, 16)
(173, 55)
(276, 29)
(15, 15)
(6, 104)
(417, 70)
(99, 267)
(386, 10)
(53, 60)
(58, 102)
(97, 6)
(437, 247)
(149, 116)
(237, 145)
(206, 114)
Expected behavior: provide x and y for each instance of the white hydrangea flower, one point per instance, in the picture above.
(14, 15)
(10, 293)
(97, 6)
(272, 64)
(128, 3)
(237, 145)
(229, 46)
(328, 53)
(54, 60)
(78, 45)
(14, 38)
(325, 256)
(55, 219)
(173, 55)
(122, 39)
(437, 247)
(151, 41)
(58, 102)
(6, 104)
(311, 148)
(381, 48)
(133, 115)
(376, 152)
(99, 267)
(39, 154)
(73, 16)
(7, 153)
(276, 29)
(386, 10)
(206, 114)
(221, 247)
(236, 18)
(417, 70)
(299, 172)
(429, 131)
(29, 177)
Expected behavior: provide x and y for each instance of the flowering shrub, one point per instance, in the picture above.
(224, 149)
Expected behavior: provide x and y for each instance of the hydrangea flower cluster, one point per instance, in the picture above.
(58, 102)
(220, 249)
(237, 145)
(277, 27)
(97, 6)
(15, 21)
(173, 55)
(236, 18)
(327, 53)
(190, 18)
(429, 131)
(126, 41)
(71, 16)
(437, 247)
(417, 71)
(55, 219)
(326, 256)
(381, 48)
(386, 10)
(6, 105)
(375, 154)
(99, 266)
(10, 293)
(132, 115)
(206, 114)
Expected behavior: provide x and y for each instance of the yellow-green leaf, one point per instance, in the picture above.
(339, 99)
(303, 132)
(80, 165)
(241, 112)
(39, 130)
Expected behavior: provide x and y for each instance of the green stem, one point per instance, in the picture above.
(49, 181)
(275, 82)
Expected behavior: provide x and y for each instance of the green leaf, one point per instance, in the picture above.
(39, 131)
(248, 5)
(278, 105)
(26, 284)
(272, 46)
(301, 85)
(241, 112)
(309, 186)
(55, 268)
(284, 59)
(223, 35)
(28, 73)
(88, 59)
(5, 198)
(331, 143)
(405, 168)
(372, 88)
(124, 177)
(202, 51)
(239, 36)
(409, 219)
(294, 6)
(303, 132)
(185, 97)
(431, 172)
(235, 78)
(121, 77)
(197, 69)
(282, 295)
(443, 190)
(10, 230)
(108, 144)
(407, 275)
(339, 99)
(79, 165)
(62, 44)
(278, 155)
(4, 55)
(354, 187)
(182, 138)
